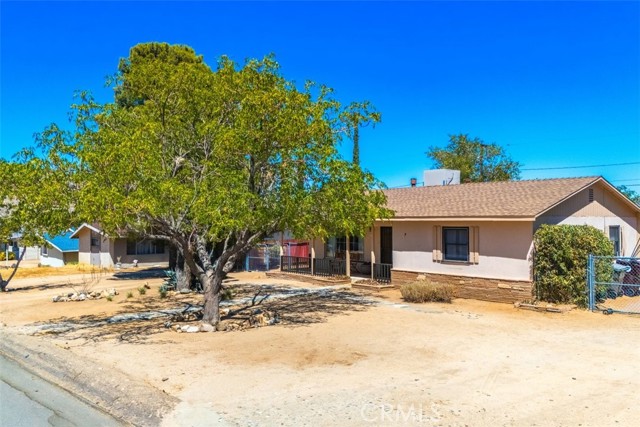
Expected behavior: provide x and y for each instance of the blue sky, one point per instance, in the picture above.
(556, 83)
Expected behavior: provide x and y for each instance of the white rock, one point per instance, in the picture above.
(193, 329)
(206, 327)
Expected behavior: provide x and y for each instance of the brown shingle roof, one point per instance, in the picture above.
(488, 199)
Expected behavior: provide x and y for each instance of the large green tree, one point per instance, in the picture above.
(476, 161)
(209, 158)
(631, 194)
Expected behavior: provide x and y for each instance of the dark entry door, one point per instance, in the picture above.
(386, 247)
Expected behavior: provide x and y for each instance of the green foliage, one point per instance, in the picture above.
(630, 194)
(142, 290)
(162, 292)
(426, 292)
(226, 294)
(355, 116)
(560, 267)
(202, 158)
(476, 161)
(129, 294)
(4, 255)
(170, 282)
(109, 298)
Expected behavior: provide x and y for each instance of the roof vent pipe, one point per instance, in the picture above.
(413, 182)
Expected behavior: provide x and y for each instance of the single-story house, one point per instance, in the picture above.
(14, 246)
(479, 236)
(59, 250)
(97, 248)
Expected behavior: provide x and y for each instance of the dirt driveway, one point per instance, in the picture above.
(351, 359)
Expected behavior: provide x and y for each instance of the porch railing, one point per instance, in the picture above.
(382, 273)
(328, 267)
(295, 264)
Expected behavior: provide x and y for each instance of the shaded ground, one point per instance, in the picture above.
(337, 359)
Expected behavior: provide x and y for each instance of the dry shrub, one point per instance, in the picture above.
(426, 292)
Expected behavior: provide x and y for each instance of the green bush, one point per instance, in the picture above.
(3, 256)
(426, 292)
(560, 263)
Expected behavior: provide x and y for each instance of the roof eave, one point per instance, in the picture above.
(458, 218)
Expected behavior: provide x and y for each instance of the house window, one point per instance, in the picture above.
(455, 242)
(336, 247)
(145, 247)
(614, 236)
(95, 239)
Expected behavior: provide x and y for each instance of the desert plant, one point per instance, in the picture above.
(142, 290)
(109, 297)
(162, 292)
(171, 281)
(560, 263)
(426, 292)
(87, 284)
(129, 294)
(226, 294)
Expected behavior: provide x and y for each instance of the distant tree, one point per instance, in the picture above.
(632, 195)
(211, 161)
(476, 161)
(356, 116)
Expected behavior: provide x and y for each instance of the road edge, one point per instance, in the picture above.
(129, 400)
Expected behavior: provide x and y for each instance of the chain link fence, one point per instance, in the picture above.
(613, 284)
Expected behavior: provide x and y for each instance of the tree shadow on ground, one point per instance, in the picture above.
(40, 287)
(137, 321)
(143, 273)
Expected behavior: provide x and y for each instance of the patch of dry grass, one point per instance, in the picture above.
(58, 271)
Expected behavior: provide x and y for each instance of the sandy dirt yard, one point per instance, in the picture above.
(350, 358)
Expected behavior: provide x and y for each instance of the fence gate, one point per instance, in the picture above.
(613, 284)
(262, 258)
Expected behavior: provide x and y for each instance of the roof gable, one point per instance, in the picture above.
(504, 199)
(74, 235)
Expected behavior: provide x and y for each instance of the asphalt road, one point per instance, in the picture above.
(27, 400)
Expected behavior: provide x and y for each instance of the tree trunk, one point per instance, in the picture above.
(212, 284)
(183, 274)
(5, 283)
(173, 257)
(356, 145)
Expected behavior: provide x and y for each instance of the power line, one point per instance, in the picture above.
(581, 167)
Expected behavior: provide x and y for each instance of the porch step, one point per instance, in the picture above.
(372, 286)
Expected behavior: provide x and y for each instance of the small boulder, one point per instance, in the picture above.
(207, 327)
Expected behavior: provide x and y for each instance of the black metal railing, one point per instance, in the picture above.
(382, 273)
(295, 264)
(329, 267)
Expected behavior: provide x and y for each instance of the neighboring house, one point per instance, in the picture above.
(14, 246)
(97, 248)
(479, 236)
(59, 250)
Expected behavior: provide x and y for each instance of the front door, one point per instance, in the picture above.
(386, 247)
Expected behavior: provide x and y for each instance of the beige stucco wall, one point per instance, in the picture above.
(84, 252)
(606, 209)
(504, 249)
(84, 241)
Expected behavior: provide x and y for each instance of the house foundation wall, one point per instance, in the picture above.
(484, 289)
